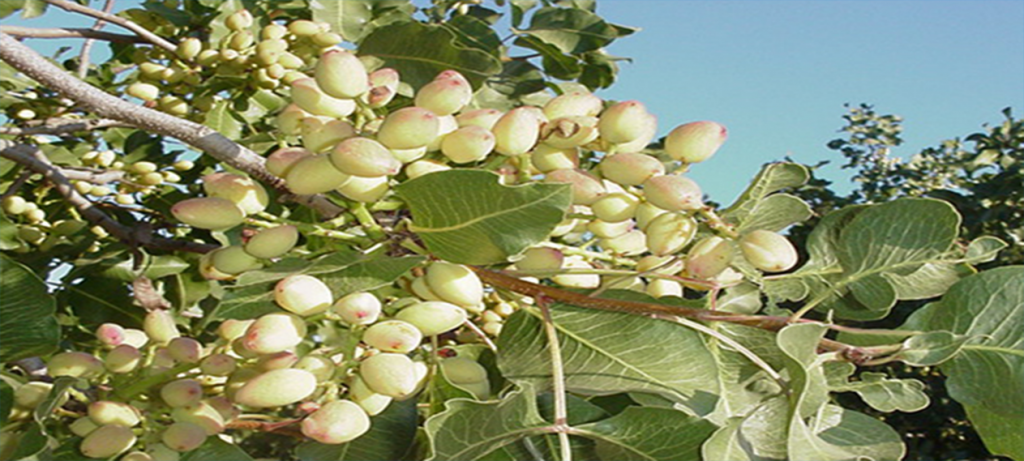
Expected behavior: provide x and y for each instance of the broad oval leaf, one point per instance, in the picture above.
(468, 217)
(470, 430)
(347, 18)
(28, 325)
(648, 433)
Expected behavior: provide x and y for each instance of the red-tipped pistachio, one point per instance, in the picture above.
(341, 74)
(246, 193)
(468, 144)
(364, 157)
(624, 122)
(586, 188)
(709, 257)
(629, 169)
(272, 242)
(77, 364)
(105, 412)
(695, 142)
(673, 193)
(358, 308)
(444, 96)
(107, 441)
(768, 251)
(393, 375)
(336, 422)
(393, 336)
(274, 333)
(314, 175)
(183, 437)
(408, 128)
(276, 388)
(669, 233)
(516, 132)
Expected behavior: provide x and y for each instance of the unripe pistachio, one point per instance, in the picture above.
(649, 125)
(288, 119)
(462, 370)
(446, 124)
(380, 96)
(105, 412)
(320, 135)
(170, 177)
(241, 19)
(314, 175)
(308, 96)
(249, 195)
(393, 336)
(660, 288)
(320, 366)
(336, 422)
(586, 189)
(110, 334)
(173, 105)
(67, 226)
(546, 158)
(303, 294)
(303, 28)
(483, 118)
(709, 257)
(408, 128)
(189, 48)
(160, 326)
(695, 142)
(291, 62)
(272, 242)
(393, 375)
(77, 364)
(143, 91)
(366, 190)
(370, 401)
(209, 57)
(669, 233)
(182, 392)
(218, 365)
(409, 155)
(673, 193)
(359, 308)
(608, 230)
(768, 251)
(136, 456)
(629, 169)
(241, 40)
(660, 264)
(183, 437)
(423, 167)
(516, 132)
(575, 103)
(274, 333)
(273, 32)
(541, 258)
(385, 77)
(631, 243)
(232, 329)
(280, 162)
(433, 317)
(203, 415)
(31, 394)
(577, 280)
(151, 179)
(455, 283)
(277, 361)
(14, 205)
(107, 441)
(162, 358)
(569, 132)
(135, 337)
(233, 260)
(615, 207)
(213, 213)
(83, 426)
(646, 213)
(623, 122)
(340, 74)
(444, 96)
(183, 165)
(185, 350)
(420, 288)
(364, 157)
(276, 388)
(326, 39)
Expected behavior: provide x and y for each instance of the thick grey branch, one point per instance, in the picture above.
(202, 137)
(34, 160)
(139, 30)
(33, 32)
(62, 126)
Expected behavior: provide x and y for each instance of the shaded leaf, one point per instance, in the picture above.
(468, 217)
(648, 433)
(888, 395)
(470, 430)
(27, 322)
(215, 449)
(222, 119)
(347, 18)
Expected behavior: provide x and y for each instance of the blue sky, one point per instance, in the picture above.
(777, 73)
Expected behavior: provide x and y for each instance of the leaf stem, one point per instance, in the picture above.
(558, 380)
(366, 219)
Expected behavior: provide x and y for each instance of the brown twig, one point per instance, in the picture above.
(62, 126)
(204, 138)
(83, 56)
(139, 30)
(34, 160)
(67, 32)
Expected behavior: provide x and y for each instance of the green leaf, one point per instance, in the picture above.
(30, 442)
(347, 18)
(33, 8)
(858, 434)
(471, 430)
(154, 267)
(27, 322)
(648, 433)
(421, 51)
(557, 64)
(222, 119)
(475, 33)
(571, 30)
(987, 376)
(888, 395)
(343, 272)
(8, 234)
(773, 177)
(984, 249)
(468, 217)
(760, 435)
(610, 352)
(56, 398)
(391, 436)
(931, 348)
(775, 213)
(215, 449)
(6, 401)
(96, 300)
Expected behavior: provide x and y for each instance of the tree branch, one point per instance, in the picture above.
(139, 30)
(199, 136)
(56, 32)
(83, 56)
(62, 126)
(33, 159)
